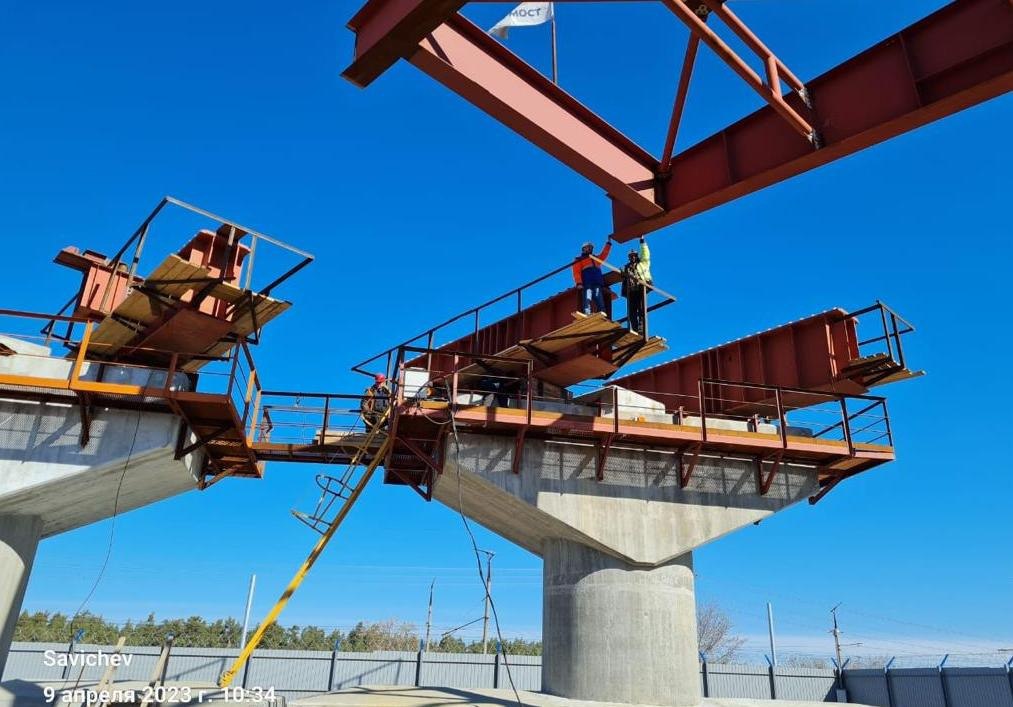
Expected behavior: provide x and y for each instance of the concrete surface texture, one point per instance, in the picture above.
(637, 513)
(612, 632)
(394, 696)
(44, 470)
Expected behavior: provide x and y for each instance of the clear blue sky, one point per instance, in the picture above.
(239, 107)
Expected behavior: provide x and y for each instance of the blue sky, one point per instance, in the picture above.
(239, 107)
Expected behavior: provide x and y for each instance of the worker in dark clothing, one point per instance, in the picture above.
(636, 278)
(587, 275)
(376, 401)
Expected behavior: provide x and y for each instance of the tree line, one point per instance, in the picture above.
(714, 632)
(197, 632)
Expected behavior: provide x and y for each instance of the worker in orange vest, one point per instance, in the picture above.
(587, 275)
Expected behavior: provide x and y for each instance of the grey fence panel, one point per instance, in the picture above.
(292, 674)
(296, 674)
(379, 668)
(26, 662)
(458, 670)
(917, 687)
(972, 687)
(738, 681)
(812, 684)
(199, 664)
(526, 671)
(867, 687)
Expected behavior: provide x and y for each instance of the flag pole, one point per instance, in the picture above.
(555, 68)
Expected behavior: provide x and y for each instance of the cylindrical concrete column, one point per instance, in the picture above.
(612, 632)
(19, 538)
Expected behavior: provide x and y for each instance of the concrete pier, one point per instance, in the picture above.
(19, 538)
(618, 633)
(619, 612)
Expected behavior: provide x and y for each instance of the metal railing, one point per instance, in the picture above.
(126, 261)
(777, 411)
(475, 313)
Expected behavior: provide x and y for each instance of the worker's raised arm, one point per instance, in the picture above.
(604, 254)
(645, 253)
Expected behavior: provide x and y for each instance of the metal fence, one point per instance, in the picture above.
(296, 674)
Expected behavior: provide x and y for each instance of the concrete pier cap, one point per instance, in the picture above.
(619, 610)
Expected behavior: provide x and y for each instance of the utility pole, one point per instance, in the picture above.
(837, 644)
(249, 605)
(770, 631)
(488, 593)
(429, 614)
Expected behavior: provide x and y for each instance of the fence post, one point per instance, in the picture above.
(495, 671)
(333, 669)
(706, 679)
(942, 681)
(772, 677)
(889, 682)
(1009, 674)
(418, 665)
(246, 671)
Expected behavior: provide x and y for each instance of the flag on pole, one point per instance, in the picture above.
(527, 14)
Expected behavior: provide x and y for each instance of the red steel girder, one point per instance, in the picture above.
(469, 62)
(815, 353)
(953, 59)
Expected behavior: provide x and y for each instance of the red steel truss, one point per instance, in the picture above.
(955, 58)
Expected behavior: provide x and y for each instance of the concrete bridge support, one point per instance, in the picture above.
(618, 633)
(616, 534)
(19, 538)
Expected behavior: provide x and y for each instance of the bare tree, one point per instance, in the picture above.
(714, 634)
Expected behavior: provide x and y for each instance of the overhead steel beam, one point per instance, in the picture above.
(388, 30)
(955, 58)
(471, 63)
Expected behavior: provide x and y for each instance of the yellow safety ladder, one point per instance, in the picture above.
(272, 616)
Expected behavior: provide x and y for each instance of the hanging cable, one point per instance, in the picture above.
(475, 549)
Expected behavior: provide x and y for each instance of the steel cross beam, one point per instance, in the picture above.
(470, 62)
(955, 58)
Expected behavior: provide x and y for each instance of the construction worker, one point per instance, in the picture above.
(375, 401)
(636, 278)
(587, 276)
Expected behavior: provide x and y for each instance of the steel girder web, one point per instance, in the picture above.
(955, 58)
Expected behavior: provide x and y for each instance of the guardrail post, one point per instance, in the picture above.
(846, 426)
(706, 677)
(781, 417)
(886, 329)
(703, 415)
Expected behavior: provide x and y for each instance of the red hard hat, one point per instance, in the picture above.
(380, 378)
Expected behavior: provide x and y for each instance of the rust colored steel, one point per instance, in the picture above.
(955, 58)
(818, 353)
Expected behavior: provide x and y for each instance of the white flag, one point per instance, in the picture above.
(526, 14)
